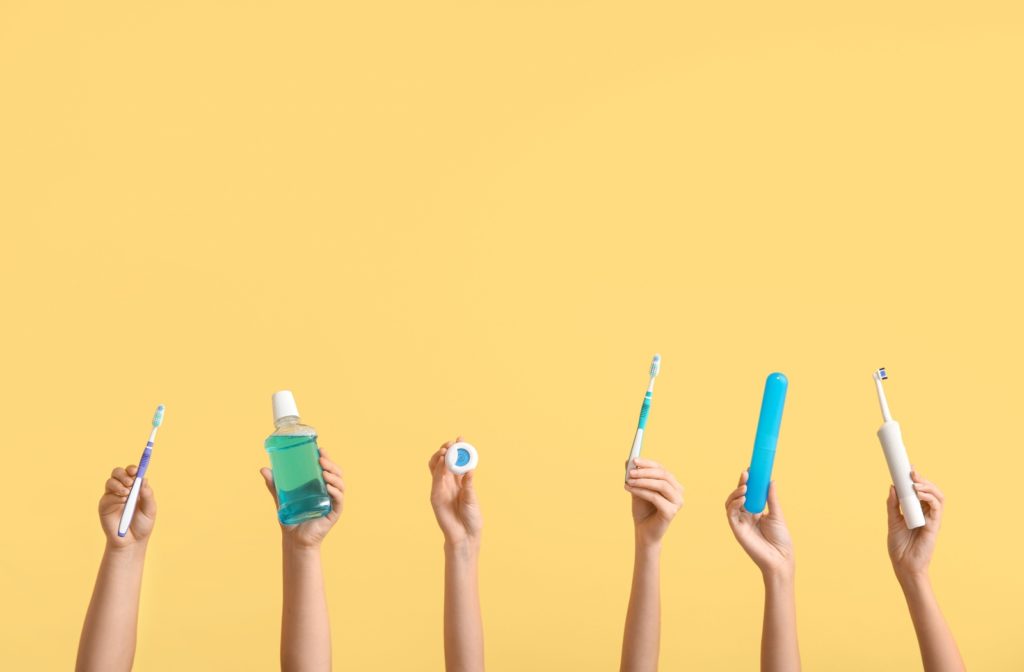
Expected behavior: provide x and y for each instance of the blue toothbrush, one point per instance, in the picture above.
(133, 495)
(765, 441)
(645, 409)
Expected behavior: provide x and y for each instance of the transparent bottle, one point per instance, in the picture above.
(295, 460)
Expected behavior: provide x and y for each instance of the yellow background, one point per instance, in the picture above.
(428, 218)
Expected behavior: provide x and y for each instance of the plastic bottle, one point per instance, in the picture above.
(295, 460)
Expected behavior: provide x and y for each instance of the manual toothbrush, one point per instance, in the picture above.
(133, 495)
(645, 409)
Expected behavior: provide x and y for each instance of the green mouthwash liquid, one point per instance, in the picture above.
(295, 460)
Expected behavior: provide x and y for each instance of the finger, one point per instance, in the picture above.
(432, 462)
(268, 480)
(655, 472)
(335, 480)
(929, 487)
(147, 500)
(663, 487)
(131, 470)
(437, 462)
(933, 502)
(663, 505)
(649, 472)
(743, 477)
(644, 463)
(337, 497)
(468, 492)
(328, 466)
(738, 492)
(121, 474)
(774, 506)
(116, 487)
(892, 506)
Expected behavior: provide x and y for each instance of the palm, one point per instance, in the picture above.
(456, 508)
(648, 520)
(911, 549)
(311, 532)
(110, 509)
(764, 537)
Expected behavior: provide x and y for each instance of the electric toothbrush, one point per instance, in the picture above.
(759, 476)
(133, 495)
(896, 457)
(645, 409)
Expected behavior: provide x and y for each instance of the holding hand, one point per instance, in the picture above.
(657, 498)
(312, 532)
(764, 536)
(911, 550)
(112, 506)
(454, 501)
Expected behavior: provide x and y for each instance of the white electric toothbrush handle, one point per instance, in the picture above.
(899, 469)
(129, 508)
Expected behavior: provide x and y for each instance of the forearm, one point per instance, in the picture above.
(108, 634)
(305, 629)
(939, 652)
(463, 625)
(779, 649)
(641, 640)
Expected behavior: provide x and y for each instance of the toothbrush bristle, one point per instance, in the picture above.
(655, 365)
(158, 417)
(882, 374)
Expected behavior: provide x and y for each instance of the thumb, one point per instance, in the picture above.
(774, 507)
(268, 479)
(147, 500)
(892, 505)
(468, 493)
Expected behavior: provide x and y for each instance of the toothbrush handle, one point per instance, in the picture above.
(638, 439)
(899, 469)
(644, 410)
(133, 494)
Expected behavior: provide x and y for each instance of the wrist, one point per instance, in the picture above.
(646, 545)
(463, 549)
(132, 552)
(781, 576)
(914, 582)
(299, 547)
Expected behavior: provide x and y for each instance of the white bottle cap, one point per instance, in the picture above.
(284, 405)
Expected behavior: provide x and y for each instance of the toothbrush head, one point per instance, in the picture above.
(880, 374)
(655, 365)
(158, 417)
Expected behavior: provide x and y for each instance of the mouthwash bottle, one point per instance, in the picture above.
(295, 460)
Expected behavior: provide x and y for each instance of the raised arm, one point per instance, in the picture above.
(305, 627)
(657, 497)
(911, 553)
(107, 643)
(458, 514)
(766, 540)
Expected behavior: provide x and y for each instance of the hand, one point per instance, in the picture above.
(911, 550)
(763, 536)
(312, 532)
(657, 498)
(112, 506)
(454, 501)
